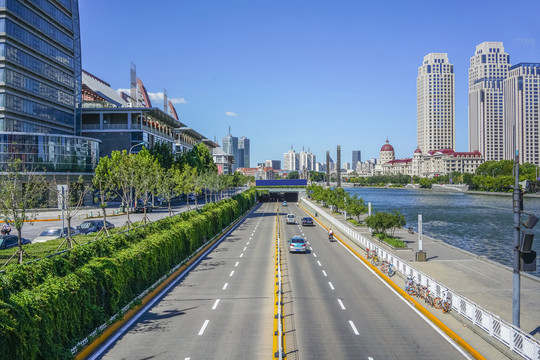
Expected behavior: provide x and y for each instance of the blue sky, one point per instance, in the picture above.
(312, 74)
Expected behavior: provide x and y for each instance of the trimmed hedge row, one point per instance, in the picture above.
(49, 313)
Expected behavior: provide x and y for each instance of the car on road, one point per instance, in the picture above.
(284, 203)
(93, 226)
(307, 221)
(191, 197)
(297, 244)
(54, 233)
(140, 207)
(291, 219)
(9, 241)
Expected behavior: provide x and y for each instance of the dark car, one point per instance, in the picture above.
(9, 241)
(140, 207)
(307, 221)
(92, 226)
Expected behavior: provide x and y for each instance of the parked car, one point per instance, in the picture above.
(291, 219)
(92, 226)
(307, 221)
(191, 197)
(9, 241)
(297, 244)
(140, 207)
(54, 233)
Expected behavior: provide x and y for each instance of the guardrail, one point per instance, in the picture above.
(513, 338)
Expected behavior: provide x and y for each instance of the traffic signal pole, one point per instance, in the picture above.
(516, 279)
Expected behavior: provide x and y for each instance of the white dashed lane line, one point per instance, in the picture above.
(215, 304)
(314, 254)
(242, 254)
(318, 262)
(232, 273)
(235, 265)
(225, 286)
(341, 304)
(331, 286)
(324, 273)
(245, 248)
(204, 327)
(354, 328)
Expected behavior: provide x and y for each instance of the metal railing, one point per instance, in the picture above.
(513, 338)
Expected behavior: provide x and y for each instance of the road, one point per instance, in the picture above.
(335, 307)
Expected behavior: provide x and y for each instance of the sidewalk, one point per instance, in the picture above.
(482, 281)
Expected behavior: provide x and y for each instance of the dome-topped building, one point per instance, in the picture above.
(387, 153)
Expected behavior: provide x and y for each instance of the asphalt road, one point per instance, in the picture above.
(336, 308)
(223, 309)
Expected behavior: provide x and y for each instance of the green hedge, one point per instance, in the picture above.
(48, 306)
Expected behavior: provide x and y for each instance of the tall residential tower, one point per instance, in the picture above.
(487, 71)
(435, 103)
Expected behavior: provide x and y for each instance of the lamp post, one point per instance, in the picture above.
(131, 148)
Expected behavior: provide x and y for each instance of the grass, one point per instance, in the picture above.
(355, 222)
(391, 240)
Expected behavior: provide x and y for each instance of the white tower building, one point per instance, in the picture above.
(488, 68)
(521, 117)
(436, 103)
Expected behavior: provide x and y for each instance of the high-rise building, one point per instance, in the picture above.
(291, 161)
(274, 164)
(243, 144)
(488, 68)
(306, 161)
(230, 146)
(40, 87)
(436, 103)
(521, 117)
(356, 158)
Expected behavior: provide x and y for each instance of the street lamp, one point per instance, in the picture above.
(131, 148)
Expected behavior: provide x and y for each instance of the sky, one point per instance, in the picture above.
(306, 74)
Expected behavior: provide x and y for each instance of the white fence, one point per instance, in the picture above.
(512, 337)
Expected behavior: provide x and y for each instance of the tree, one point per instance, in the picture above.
(123, 179)
(72, 197)
(21, 191)
(162, 152)
(355, 206)
(293, 175)
(103, 181)
(146, 176)
(382, 221)
(167, 184)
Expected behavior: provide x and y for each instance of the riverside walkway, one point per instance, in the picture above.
(484, 282)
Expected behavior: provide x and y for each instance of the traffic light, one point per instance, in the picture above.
(525, 245)
(527, 255)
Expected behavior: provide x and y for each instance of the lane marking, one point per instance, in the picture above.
(241, 254)
(245, 248)
(215, 304)
(247, 243)
(354, 328)
(324, 273)
(235, 265)
(232, 273)
(314, 254)
(204, 327)
(225, 286)
(341, 304)
(187, 358)
(318, 262)
(331, 286)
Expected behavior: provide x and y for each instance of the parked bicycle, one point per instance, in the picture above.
(444, 302)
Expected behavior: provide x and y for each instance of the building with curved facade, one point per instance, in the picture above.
(40, 88)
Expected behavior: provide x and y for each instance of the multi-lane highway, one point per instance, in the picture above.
(335, 307)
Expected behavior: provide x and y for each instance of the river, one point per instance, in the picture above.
(481, 224)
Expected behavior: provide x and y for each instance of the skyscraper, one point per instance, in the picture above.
(230, 146)
(40, 91)
(356, 158)
(436, 103)
(521, 118)
(488, 68)
(243, 143)
(291, 160)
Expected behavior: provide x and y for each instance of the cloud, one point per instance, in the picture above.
(230, 113)
(158, 96)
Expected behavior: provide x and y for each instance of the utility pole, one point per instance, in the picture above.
(517, 204)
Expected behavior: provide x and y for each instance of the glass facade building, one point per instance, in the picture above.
(40, 87)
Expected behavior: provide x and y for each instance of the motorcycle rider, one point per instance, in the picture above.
(330, 234)
(6, 228)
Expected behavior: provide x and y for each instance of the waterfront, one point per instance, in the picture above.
(481, 224)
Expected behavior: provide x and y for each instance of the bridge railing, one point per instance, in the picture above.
(512, 337)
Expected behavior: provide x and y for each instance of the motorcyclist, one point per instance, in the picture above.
(6, 228)
(330, 234)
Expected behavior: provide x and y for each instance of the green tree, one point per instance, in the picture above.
(293, 175)
(103, 181)
(21, 192)
(162, 152)
(146, 176)
(355, 206)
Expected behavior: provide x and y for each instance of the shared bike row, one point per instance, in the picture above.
(413, 288)
(386, 267)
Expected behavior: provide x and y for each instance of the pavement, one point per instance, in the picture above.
(484, 282)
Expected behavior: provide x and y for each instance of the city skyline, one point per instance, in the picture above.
(321, 71)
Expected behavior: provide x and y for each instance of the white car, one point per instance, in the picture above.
(291, 219)
(54, 233)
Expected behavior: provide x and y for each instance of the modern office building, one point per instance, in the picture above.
(40, 88)
(356, 158)
(521, 91)
(306, 161)
(274, 164)
(291, 161)
(487, 71)
(243, 145)
(230, 146)
(436, 103)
